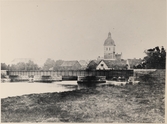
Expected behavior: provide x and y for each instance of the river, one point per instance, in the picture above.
(9, 89)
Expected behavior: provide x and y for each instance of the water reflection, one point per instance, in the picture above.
(9, 89)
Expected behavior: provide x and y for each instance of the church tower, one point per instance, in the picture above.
(109, 48)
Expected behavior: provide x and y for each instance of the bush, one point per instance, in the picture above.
(147, 78)
(3, 76)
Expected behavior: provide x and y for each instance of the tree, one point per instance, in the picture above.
(31, 66)
(4, 66)
(21, 66)
(155, 59)
(48, 64)
(92, 65)
(13, 67)
(58, 64)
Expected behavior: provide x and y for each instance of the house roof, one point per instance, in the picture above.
(83, 62)
(110, 63)
(93, 64)
(117, 54)
(115, 63)
(96, 61)
(109, 41)
(134, 62)
(69, 63)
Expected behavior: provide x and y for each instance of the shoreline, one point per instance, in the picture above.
(122, 104)
(16, 89)
(45, 87)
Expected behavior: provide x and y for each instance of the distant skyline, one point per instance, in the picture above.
(76, 30)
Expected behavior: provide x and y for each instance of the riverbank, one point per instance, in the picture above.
(138, 103)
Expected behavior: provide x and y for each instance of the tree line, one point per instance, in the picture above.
(31, 66)
(155, 59)
(21, 66)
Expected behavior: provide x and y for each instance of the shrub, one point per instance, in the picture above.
(3, 76)
(147, 78)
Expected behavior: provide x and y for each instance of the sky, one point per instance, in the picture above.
(77, 29)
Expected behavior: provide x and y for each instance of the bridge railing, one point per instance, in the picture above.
(107, 73)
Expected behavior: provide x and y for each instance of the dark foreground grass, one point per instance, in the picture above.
(131, 103)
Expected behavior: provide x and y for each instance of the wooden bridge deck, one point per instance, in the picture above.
(107, 73)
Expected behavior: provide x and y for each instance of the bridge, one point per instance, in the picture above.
(74, 73)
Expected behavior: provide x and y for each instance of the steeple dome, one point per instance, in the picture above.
(109, 41)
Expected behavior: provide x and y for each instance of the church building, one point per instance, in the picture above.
(109, 49)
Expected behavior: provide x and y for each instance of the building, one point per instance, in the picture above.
(109, 49)
(112, 65)
(70, 65)
(107, 65)
(133, 63)
(93, 64)
(84, 64)
(111, 59)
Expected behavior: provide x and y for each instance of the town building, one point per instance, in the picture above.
(112, 65)
(109, 49)
(83, 64)
(70, 65)
(134, 63)
(107, 65)
(93, 64)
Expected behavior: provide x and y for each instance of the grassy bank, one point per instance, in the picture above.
(131, 103)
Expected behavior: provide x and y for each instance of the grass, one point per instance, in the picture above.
(119, 104)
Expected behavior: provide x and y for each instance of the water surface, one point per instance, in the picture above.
(9, 89)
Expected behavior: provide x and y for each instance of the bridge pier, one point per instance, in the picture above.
(15, 78)
(89, 81)
(46, 78)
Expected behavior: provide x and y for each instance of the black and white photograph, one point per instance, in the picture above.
(83, 61)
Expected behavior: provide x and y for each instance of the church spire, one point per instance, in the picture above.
(109, 34)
